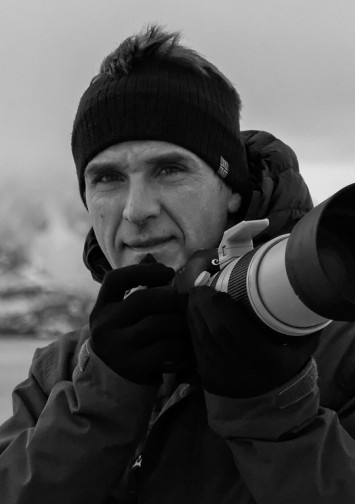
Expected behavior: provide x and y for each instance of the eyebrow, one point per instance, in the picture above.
(169, 157)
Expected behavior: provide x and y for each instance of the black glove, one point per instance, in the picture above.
(145, 334)
(236, 356)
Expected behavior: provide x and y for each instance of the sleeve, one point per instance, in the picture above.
(286, 447)
(74, 444)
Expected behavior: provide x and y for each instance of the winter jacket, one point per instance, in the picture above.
(78, 428)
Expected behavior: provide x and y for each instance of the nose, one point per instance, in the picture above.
(141, 203)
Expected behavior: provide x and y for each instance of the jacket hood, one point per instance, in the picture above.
(279, 194)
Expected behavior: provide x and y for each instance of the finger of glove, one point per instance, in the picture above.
(118, 281)
(257, 340)
(137, 306)
(212, 362)
(141, 352)
(204, 342)
(154, 328)
(225, 334)
(158, 300)
(216, 308)
(229, 323)
(130, 344)
(173, 352)
(218, 320)
(162, 326)
(235, 317)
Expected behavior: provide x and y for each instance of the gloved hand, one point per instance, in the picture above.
(236, 356)
(145, 334)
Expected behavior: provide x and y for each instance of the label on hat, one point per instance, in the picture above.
(223, 167)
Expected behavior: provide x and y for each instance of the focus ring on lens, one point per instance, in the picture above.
(237, 284)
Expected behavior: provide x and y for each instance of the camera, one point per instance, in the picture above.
(296, 283)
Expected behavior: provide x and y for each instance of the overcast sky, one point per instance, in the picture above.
(292, 62)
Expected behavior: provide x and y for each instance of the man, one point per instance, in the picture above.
(172, 396)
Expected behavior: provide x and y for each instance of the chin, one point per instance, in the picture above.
(172, 262)
(175, 262)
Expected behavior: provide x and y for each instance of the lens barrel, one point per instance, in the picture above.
(296, 284)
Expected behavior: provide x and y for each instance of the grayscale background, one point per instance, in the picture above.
(292, 62)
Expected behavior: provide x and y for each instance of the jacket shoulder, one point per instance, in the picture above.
(57, 361)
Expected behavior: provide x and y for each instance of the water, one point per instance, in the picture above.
(15, 359)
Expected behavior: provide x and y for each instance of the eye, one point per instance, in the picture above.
(107, 178)
(171, 170)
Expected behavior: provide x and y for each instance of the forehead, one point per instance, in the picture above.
(128, 153)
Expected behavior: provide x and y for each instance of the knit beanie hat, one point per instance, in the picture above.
(158, 99)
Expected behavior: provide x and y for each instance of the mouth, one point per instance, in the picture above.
(151, 243)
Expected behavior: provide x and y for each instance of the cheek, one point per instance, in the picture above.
(97, 215)
(203, 218)
(189, 208)
(103, 216)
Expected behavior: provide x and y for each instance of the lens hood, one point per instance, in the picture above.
(320, 257)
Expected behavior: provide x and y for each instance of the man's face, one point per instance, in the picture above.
(151, 197)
